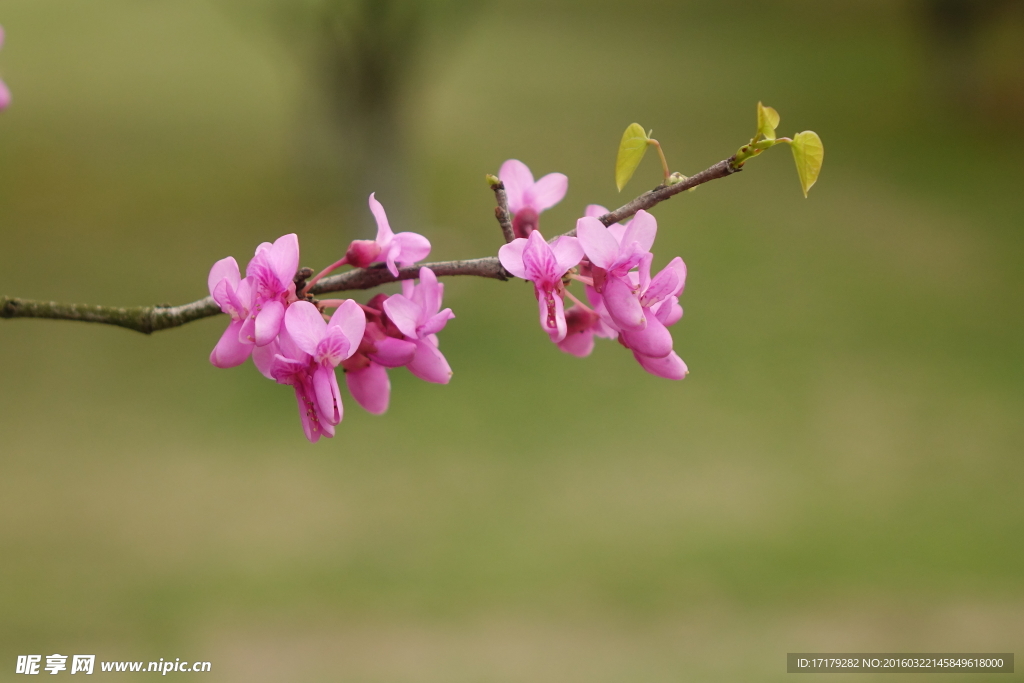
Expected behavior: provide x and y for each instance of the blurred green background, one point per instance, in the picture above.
(841, 471)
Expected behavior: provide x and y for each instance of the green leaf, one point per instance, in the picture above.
(631, 152)
(767, 121)
(808, 153)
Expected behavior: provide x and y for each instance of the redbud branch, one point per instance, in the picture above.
(149, 319)
(501, 211)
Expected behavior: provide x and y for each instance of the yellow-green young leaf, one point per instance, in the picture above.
(767, 121)
(808, 154)
(631, 151)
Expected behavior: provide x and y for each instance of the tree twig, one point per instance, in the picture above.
(149, 319)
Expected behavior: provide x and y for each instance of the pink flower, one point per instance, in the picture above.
(5, 94)
(272, 272)
(416, 312)
(612, 259)
(535, 260)
(659, 301)
(403, 249)
(526, 198)
(383, 346)
(305, 356)
(403, 332)
(233, 295)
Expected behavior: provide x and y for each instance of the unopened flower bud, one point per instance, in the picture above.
(362, 253)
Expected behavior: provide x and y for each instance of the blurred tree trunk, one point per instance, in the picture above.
(957, 32)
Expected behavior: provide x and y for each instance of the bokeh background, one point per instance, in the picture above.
(841, 471)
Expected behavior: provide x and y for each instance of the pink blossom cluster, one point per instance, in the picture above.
(613, 263)
(5, 94)
(292, 340)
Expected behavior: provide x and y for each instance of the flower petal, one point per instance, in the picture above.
(283, 259)
(352, 321)
(429, 364)
(539, 260)
(568, 252)
(370, 387)
(431, 292)
(268, 321)
(595, 210)
(305, 325)
(517, 179)
(578, 343)
(404, 313)
(669, 367)
(511, 257)
(654, 340)
(225, 268)
(547, 191)
(669, 311)
(435, 323)
(642, 229)
(552, 314)
(598, 244)
(263, 358)
(392, 352)
(665, 284)
(622, 305)
(229, 351)
(413, 247)
(328, 397)
(384, 234)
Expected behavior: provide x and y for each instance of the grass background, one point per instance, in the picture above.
(840, 472)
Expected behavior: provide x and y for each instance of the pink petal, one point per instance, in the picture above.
(328, 396)
(547, 191)
(431, 291)
(665, 284)
(598, 244)
(305, 324)
(436, 323)
(307, 412)
(578, 343)
(429, 364)
(413, 248)
(390, 255)
(268, 322)
(229, 352)
(539, 261)
(370, 387)
(5, 96)
(283, 259)
(226, 268)
(263, 357)
(642, 229)
(595, 211)
(568, 252)
(622, 305)
(511, 257)
(393, 353)
(384, 233)
(654, 340)
(517, 179)
(403, 313)
(552, 310)
(669, 311)
(669, 367)
(351, 319)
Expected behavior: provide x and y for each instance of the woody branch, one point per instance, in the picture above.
(149, 319)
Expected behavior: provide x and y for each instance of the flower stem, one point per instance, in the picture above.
(578, 302)
(322, 273)
(664, 161)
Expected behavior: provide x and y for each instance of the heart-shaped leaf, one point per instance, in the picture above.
(808, 153)
(631, 151)
(767, 121)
